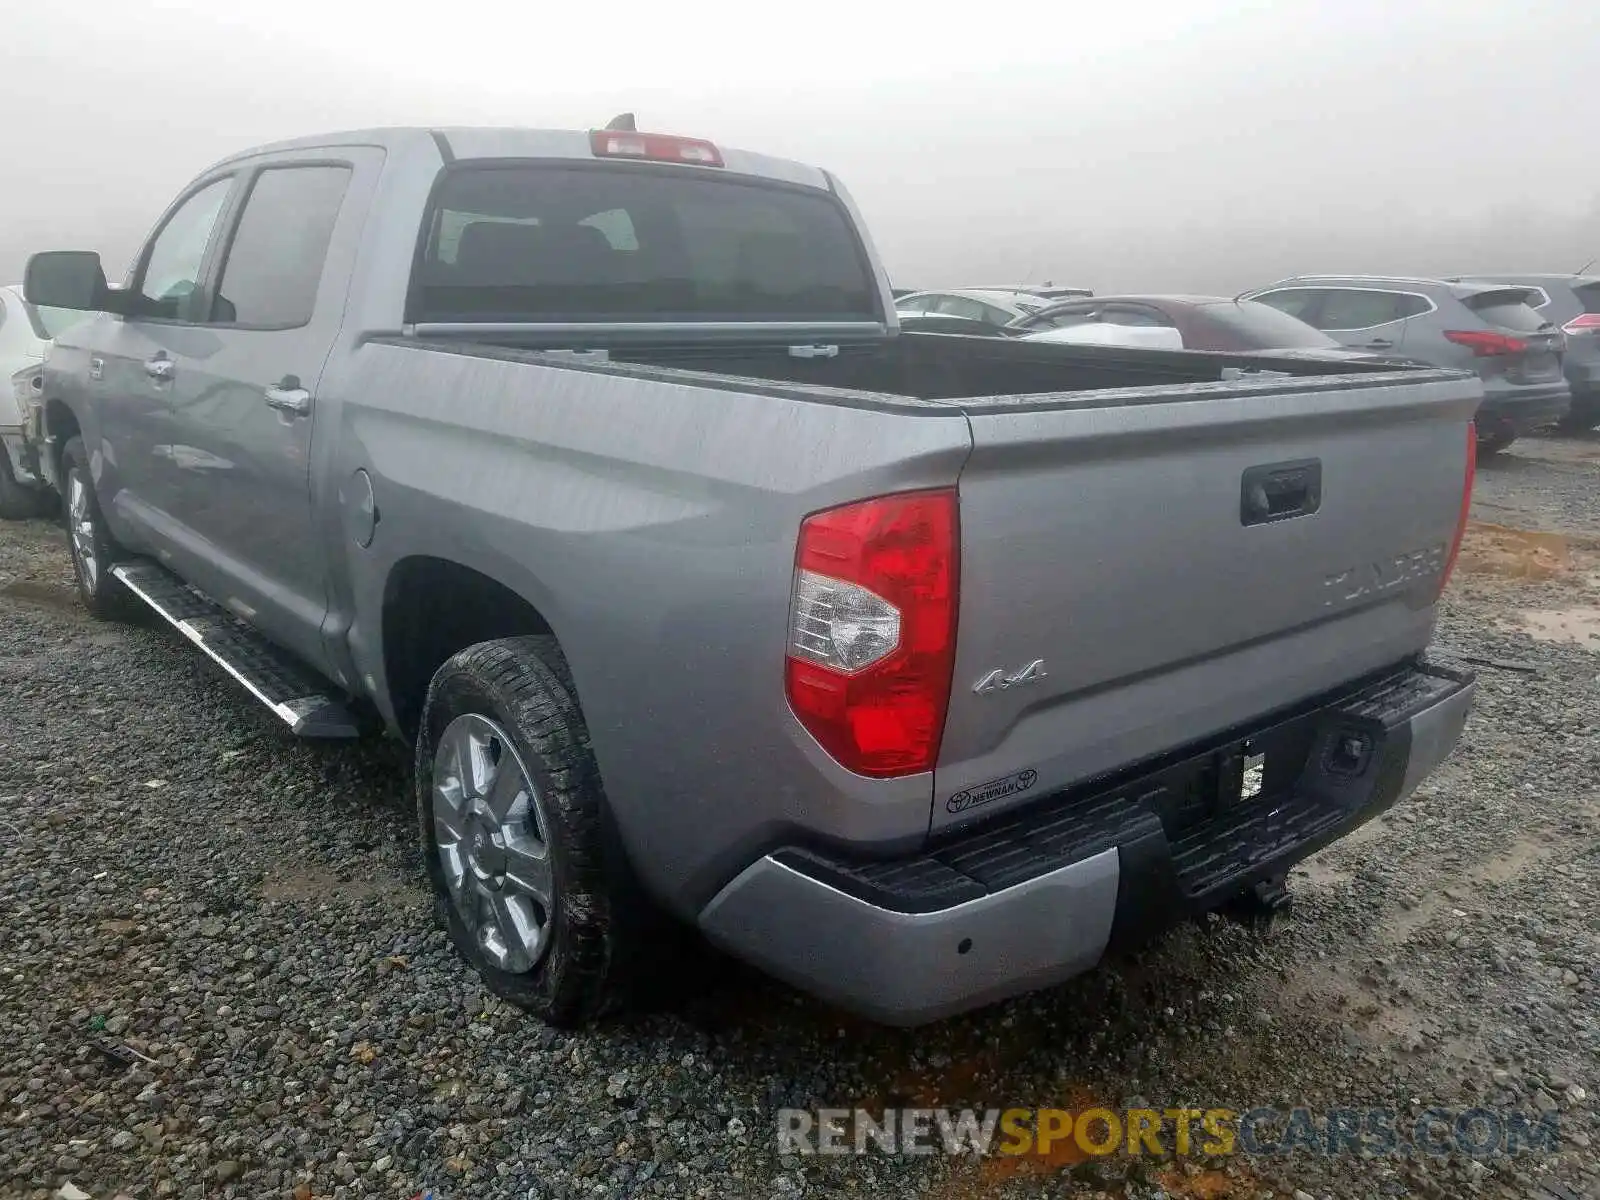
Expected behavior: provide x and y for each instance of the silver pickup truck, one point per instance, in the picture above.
(916, 669)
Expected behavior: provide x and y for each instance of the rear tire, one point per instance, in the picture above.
(18, 503)
(94, 551)
(528, 884)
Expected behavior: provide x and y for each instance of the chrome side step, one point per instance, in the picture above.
(293, 693)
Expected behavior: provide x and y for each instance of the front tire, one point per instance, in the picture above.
(512, 821)
(94, 551)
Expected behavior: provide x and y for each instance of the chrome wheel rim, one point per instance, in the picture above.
(80, 522)
(492, 843)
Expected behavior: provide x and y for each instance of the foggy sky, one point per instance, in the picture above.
(1155, 145)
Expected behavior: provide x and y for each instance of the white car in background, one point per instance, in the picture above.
(25, 335)
(987, 306)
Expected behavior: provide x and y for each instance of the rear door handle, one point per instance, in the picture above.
(295, 400)
(160, 368)
(1380, 344)
(1280, 491)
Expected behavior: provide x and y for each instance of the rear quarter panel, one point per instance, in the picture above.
(652, 522)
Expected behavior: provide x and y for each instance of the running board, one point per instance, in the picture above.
(292, 692)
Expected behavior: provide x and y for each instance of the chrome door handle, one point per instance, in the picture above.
(161, 368)
(295, 401)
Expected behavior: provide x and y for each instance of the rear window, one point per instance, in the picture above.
(1507, 310)
(1262, 327)
(543, 243)
(1588, 295)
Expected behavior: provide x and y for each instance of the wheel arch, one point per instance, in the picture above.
(434, 607)
(61, 425)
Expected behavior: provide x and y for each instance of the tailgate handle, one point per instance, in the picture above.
(1280, 491)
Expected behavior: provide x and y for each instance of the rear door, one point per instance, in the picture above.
(1371, 319)
(245, 394)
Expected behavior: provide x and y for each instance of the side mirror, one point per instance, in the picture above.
(71, 279)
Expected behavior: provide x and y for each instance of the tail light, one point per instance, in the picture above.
(653, 147)
(1486, 343)
(1466, 505)
(872, 630)
(1583, 323)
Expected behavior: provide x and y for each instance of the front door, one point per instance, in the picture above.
(131, 374)
(244, 403)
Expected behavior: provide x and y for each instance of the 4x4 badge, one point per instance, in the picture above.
(998, 680)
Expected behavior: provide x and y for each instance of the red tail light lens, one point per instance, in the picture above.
(872, 630)
(1466, 505)
(1486, 343)
(654, 147)
(1583, 323)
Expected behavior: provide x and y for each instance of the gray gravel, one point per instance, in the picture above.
(218, 977)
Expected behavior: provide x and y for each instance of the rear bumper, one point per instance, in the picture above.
(1516, 411)
(1038, 895)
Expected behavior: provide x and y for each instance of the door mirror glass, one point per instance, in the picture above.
(67, 279)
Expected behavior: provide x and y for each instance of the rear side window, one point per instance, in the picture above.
(1362, 308)
(273, 267)
(1506, 310)
(1129, 315)
(545, 243)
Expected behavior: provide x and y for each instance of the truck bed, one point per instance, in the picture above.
(1109, 552)
(934, 366)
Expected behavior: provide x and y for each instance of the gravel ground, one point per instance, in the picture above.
(218, 977)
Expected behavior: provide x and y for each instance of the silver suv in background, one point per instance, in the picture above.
(1489, 328)
(1572, 302)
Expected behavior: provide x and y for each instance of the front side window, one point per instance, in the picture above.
(274, 264)
(170, 282)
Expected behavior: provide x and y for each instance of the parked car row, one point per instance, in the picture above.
(1533, 340)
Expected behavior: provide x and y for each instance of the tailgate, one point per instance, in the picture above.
(1139, 573)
